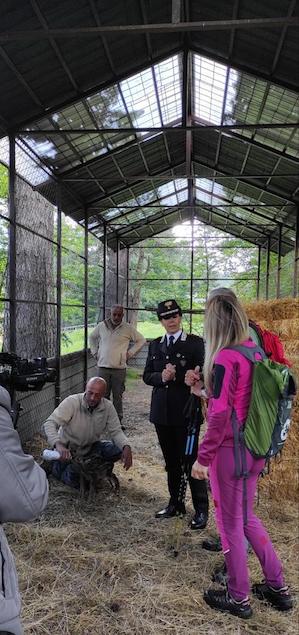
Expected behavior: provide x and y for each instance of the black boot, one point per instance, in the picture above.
(280, 599)
(171, 510)
(200, 503)
(199, 521)
(222, 601)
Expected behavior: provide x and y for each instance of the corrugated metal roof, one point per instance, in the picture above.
(90, 95)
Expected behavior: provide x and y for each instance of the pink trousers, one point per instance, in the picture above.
(228, 498)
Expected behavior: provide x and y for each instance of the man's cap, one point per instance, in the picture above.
(168, 307)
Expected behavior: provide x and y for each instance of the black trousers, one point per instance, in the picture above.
(172, 440)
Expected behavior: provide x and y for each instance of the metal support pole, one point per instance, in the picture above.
(258, 280)
(279, 262)
(187, 119)
(296, 257)
(85, 371)
(268, 267)
(128, 284)
(12, 254)
(58, 298)
(117, 270)
(104, 270)
(176, 11)
(192, 271)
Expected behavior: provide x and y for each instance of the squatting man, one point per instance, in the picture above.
(78, 427)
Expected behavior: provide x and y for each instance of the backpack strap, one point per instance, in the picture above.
(248, 352)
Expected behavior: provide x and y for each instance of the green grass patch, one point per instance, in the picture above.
(150, 330)
(132, 375)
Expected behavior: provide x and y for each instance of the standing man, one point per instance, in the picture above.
(168, 360)
(109, 344)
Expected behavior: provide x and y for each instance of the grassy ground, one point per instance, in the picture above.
(107, 568)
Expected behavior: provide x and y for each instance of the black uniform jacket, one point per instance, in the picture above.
(169, 400)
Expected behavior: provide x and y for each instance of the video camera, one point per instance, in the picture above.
(23, 374)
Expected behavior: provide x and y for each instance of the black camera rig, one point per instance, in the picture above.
(24, 375)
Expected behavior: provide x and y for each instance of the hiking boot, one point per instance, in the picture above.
(219, 575)
(280, 599)
(212, 544)
(222, 601)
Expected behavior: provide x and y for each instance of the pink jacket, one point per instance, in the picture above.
(231, 390)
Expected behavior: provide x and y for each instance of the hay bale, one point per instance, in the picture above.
(281, 316)
(286, 329)
(270, 310)
(283, 478)
(291, 348)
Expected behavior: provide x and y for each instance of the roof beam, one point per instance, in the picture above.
(167, 27)
(172, 129)
(207, 175)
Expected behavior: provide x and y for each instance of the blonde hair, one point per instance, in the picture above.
(226, 324)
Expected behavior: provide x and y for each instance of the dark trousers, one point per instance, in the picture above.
(172, 440)
(64, 470)
(115, 379)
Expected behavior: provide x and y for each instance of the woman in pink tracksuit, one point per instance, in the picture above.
(228, 382)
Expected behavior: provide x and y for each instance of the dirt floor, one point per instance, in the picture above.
(107, 568)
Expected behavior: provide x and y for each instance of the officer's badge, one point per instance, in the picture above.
(168, 304)
(178, 354)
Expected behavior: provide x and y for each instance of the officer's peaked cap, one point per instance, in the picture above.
(168, 307)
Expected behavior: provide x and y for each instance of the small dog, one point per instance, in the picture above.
(93, 471)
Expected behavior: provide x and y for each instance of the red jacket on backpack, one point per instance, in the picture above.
(271, 344)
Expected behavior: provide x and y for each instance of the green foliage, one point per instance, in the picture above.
(3, 182)
(72, 272)
(3, 227)
(218, 260)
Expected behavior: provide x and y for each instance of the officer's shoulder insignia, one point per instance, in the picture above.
(183, 336)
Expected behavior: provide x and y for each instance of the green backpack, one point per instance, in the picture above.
(269, 415)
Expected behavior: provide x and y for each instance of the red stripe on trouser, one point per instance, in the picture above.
(227, 492)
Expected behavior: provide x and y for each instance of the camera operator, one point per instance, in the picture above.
(23, 496)
(168, 360)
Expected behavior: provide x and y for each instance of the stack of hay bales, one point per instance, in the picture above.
(282, 317)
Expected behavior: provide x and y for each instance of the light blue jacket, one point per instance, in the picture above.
(23, 496)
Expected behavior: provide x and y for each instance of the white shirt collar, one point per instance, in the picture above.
(174, 335)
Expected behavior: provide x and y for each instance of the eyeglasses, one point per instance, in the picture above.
(168, 317)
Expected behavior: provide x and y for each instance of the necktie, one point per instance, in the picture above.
(170, 343)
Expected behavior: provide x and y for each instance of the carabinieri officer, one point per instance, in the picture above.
(168, 360)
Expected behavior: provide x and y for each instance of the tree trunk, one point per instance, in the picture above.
(35, 320)
(142, 268)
